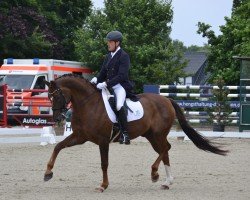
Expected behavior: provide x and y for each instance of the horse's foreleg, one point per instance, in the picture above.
(69, 141)
(104, 151)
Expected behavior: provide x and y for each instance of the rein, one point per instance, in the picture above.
(65, 109)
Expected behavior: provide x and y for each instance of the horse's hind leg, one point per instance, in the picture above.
(161, 146)
(69, 141)
(169, 177)
(158, 142)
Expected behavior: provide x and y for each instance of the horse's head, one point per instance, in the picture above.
(59, 101)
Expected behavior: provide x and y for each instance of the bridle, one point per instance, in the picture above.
(62, 109)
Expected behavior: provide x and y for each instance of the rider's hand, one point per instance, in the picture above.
(93, 80)
(101, 85)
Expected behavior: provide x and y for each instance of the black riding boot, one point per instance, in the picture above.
(122, 118)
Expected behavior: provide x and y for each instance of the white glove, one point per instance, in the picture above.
(101, 85)
(93, 80)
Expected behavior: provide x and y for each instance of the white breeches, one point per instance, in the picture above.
(120, 95)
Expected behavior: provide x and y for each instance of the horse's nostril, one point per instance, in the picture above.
(63, 116)
(59, 118)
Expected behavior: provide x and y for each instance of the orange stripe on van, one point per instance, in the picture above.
(13, 68)
(71, 69)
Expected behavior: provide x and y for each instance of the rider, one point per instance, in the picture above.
(114, 74)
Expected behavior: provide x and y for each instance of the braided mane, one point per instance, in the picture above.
(72, 75)
(76, 76)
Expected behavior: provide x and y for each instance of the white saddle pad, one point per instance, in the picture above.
(136, 107)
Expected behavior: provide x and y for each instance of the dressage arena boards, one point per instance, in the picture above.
(198, 175)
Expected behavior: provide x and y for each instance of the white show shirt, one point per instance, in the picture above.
(113, 53)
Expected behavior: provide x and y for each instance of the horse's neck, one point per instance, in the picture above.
(81, 95)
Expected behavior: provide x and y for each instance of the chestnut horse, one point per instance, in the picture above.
(90, 122)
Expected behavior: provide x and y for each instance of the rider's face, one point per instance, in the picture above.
(112, 45)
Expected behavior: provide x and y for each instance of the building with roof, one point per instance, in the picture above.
(195, 69)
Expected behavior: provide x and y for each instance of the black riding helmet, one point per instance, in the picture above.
(114, 36)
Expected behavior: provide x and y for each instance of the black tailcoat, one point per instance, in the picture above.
(115, 70)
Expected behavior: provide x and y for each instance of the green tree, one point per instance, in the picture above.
(179, 45)
(36, 28)
(146, 25)
(65, 17)
(234, 40)
(24, 34)
(219, 115)
(89, 41)
(195, 48)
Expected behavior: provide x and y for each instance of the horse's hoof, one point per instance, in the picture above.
(164, 187)
(155, 178)
(47, 177)
(100, 189)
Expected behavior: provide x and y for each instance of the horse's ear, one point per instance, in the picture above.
(46, 83)
(53, 84)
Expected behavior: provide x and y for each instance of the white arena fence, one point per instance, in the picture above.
(46, 134)
(195, 104)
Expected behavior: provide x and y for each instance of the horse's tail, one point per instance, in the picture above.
(200, 141)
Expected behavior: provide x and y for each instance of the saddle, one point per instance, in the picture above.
(112, 102)
(134, 110)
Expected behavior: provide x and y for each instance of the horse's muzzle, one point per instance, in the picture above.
(59, 117)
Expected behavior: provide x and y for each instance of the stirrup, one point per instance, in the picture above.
(124, 139)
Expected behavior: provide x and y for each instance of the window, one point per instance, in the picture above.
(17, 81)
(40, 83)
